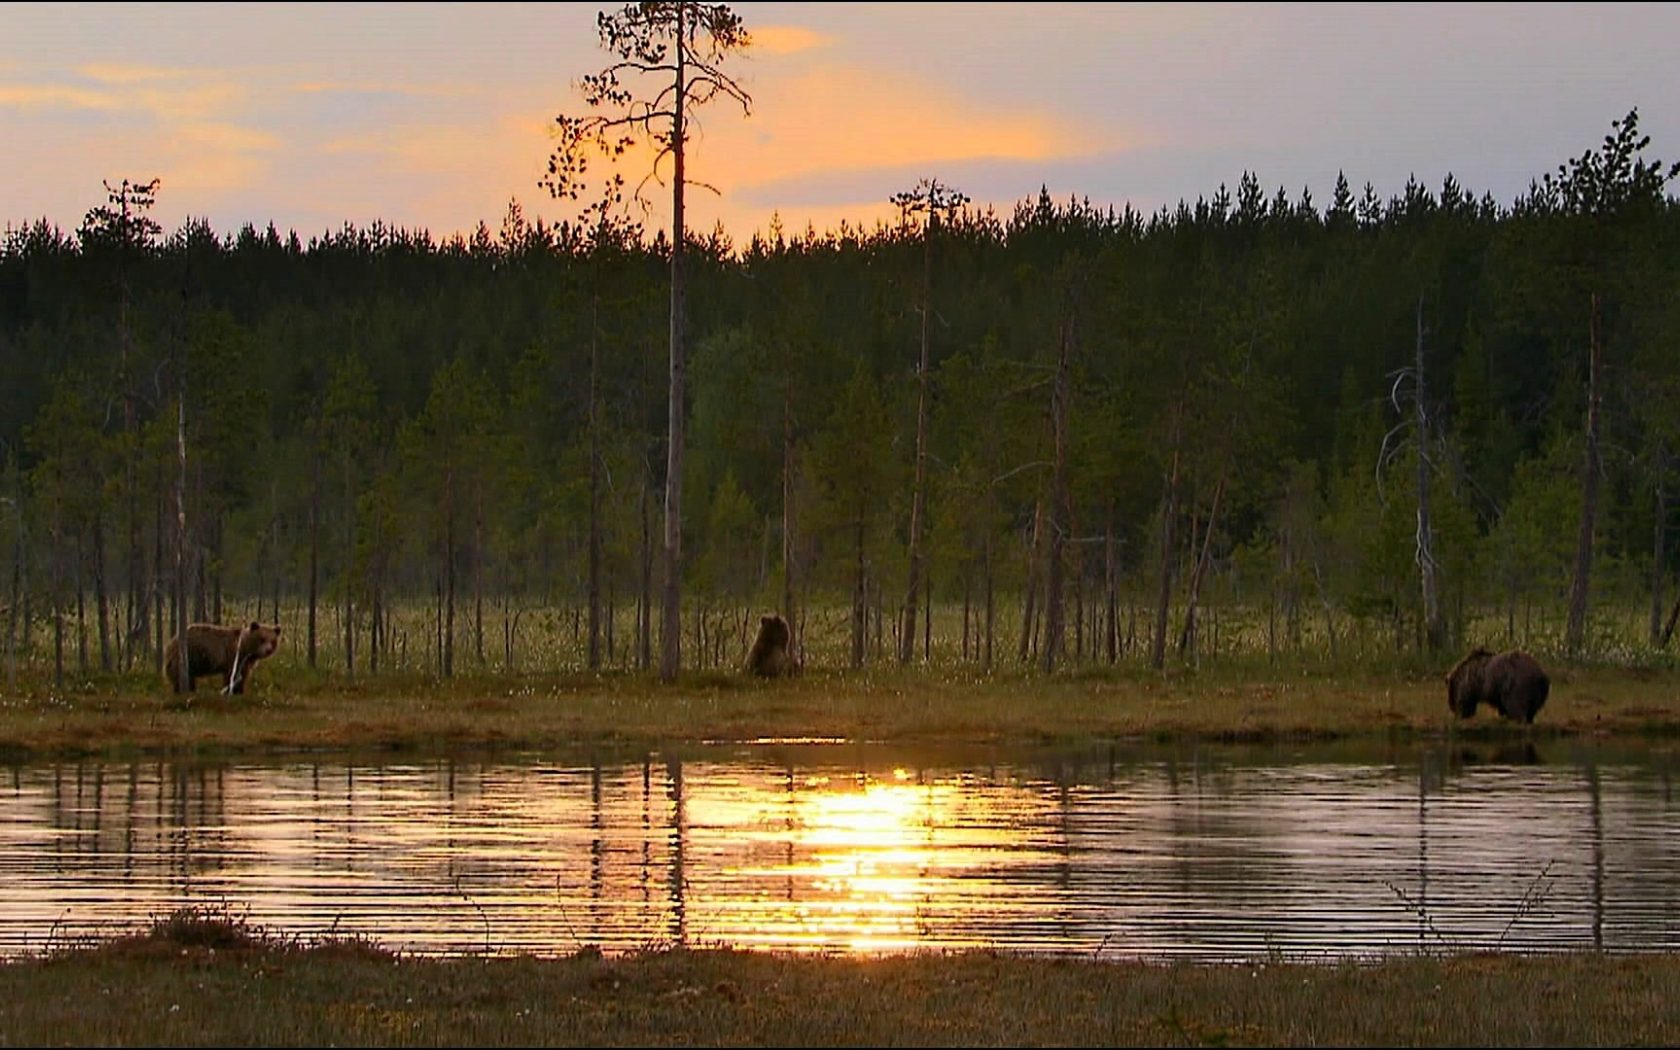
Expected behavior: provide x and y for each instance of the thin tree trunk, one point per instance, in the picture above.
(1163, 599)
(1187, 634)
(594, 582)
(1575, 631)
(1060, 397)
(1029, 614)
(918, 494)
(789, 536)
(101, 596)
(670, 656)
(1434, 629)
(478, 573)
(349, 567)
(644, 605)
(860, 597)
(991, 604)
(1659, 543)
(447, 641)
(81, 610)
(185, 674)
(1111, 592)
(314, 551)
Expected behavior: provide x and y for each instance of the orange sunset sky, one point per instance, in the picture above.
(438, 115)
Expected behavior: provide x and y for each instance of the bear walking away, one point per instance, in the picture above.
(1512, 683)
(227, 652)
(771, 655)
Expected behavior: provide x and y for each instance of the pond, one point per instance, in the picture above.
(1200, 852)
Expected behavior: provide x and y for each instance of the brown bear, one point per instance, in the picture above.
(771, 654)
(229, 652)
(1512, 683)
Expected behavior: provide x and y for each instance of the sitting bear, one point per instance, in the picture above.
(228, 652)
(1511, 683)
(771, 654)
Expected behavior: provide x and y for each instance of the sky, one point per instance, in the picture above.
(440, 116)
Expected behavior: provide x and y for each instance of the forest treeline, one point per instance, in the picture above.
(1433, 418)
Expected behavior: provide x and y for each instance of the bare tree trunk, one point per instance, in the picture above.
(184, 681)
(644, 605)
(101, 596)
(1163, 599)
(81, 610)
(1575, 631)
(789, 536)
(156, 568)
(1434, 629)
(478, 573)
(860, 598)
(349, 567)
(1029, 614)
(991, 606)
(1060, 396)
(314, 551)
(918, 494)
(447, 641)
(670, 656)
(1659, 543)
(1187, 634)
(1111, 592)
(594, 584)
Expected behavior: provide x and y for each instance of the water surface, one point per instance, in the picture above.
(1204, 852)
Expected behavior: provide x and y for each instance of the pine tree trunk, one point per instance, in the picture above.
(1575, 631)
(670, 656)
(1192, 602)
(314, 552)
(789, 537)
(1060, 395)
(1433, 629)
(918, 494)
(1163, 596)
(594, 584)
(1659, 543)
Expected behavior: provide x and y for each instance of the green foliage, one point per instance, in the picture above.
(432, 405)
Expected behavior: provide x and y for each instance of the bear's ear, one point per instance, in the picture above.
(255, 626)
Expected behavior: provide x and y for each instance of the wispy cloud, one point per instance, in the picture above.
(165, 94)
(786, 40)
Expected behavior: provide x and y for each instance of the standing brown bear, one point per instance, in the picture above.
(228, 652)
(1512, 683)
(771, 655)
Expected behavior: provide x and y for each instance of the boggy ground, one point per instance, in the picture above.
(294, 710)
(200, 979)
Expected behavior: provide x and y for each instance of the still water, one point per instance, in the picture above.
(1201, 852)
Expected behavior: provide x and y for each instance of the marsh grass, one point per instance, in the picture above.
(299, 710)
(209, 978)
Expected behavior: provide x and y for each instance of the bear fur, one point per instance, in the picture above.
(212, 649)
(1512, 683)
(771, 655)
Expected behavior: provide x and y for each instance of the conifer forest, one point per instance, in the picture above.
(1058, 437)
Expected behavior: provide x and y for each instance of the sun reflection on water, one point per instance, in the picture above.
(817, 850)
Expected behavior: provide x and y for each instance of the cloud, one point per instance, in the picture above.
(785, 40)
(163, 94)
(55, 96)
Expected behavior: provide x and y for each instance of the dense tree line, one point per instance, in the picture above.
(1426, 420)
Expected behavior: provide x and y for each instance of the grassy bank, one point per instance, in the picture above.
(293, 710)
(193, 980)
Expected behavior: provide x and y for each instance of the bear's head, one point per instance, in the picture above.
(1464, 683)
(259, 640)
(773, 630)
